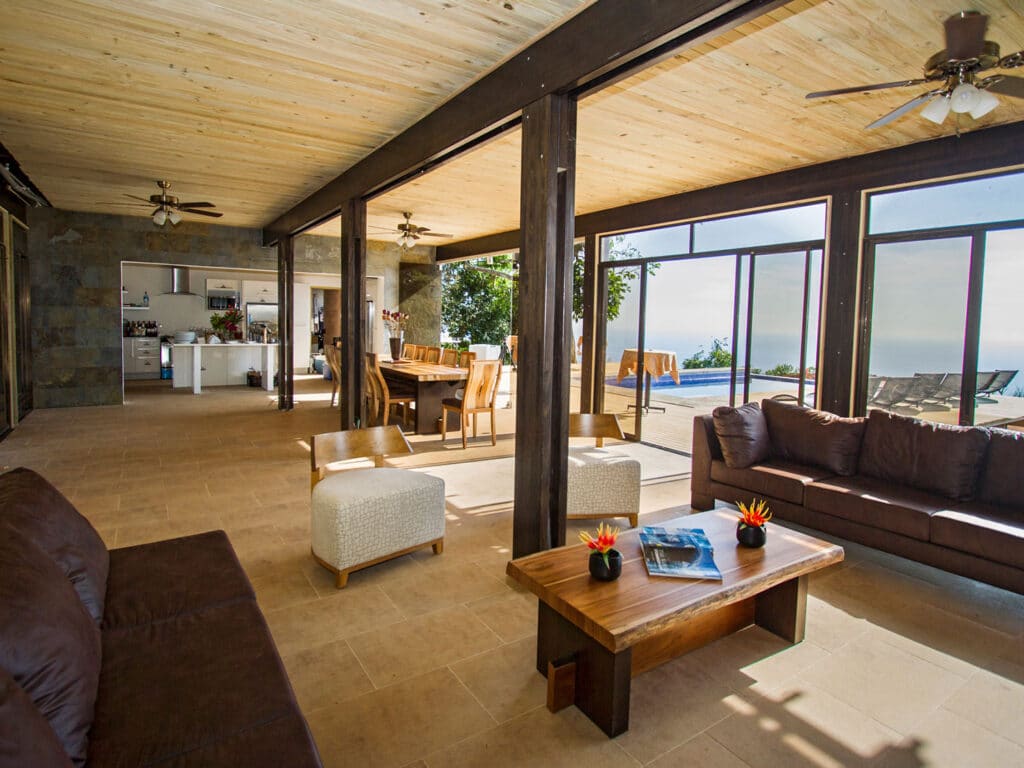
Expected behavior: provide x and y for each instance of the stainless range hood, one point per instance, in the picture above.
(180, 282)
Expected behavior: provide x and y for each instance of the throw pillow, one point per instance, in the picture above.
(1002, 479)
(31, 505)
(818, 438)
(742, 433)
(939, 458)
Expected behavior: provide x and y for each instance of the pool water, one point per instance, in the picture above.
(708, 385)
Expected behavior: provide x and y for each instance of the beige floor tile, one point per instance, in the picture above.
(439, 584)
(505, 680)
(893, 686)
(399, 724)
(830, 627)
(326, 675)
(944, 740)
(698, 701)
(415, 646)
(282, 589)
(994, 699)
(340, 616)
(511, 615)
(538, 738)
(700, 751)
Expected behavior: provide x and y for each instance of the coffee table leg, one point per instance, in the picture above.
(602, 677)
(783, 609)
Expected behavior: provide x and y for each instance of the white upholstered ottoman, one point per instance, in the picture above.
(602, 484)
(362, 517)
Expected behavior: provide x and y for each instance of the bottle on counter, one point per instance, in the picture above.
(145, 298)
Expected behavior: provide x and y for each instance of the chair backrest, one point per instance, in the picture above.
(419, 352)
(595, 425)
(377, 442)
(378, 399)
(450, 356)
(482, 385)
(465, 358)
(432, 355)
(409, 351)
(333, 355)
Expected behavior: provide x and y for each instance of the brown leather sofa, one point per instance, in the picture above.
(951, 497)
(147, 655)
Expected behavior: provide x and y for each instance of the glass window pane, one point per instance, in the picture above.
(623, 323)
(780, 225)
(664, 241)
(975, 201)
(777, 327)
(919, 314)
(1000, 386)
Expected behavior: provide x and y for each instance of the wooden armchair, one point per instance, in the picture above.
(333, 356)
(479, 397)
(601, 483)
(379, 398)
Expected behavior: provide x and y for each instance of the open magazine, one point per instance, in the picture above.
(680, 552)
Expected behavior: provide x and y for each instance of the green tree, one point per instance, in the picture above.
(718, 356)
(479, 300)
(620, 281)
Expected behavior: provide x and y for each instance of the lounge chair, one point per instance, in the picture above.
(892, 391)
(999, 382)
(947, 390)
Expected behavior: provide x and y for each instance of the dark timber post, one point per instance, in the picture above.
(285, 324)
(545, 313)
(835, 381)
(590, 315)
(353, 309)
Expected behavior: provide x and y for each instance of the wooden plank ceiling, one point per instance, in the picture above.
(255, 105)
(251, 105)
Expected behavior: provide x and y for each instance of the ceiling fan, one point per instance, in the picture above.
(168, 206)
(955, 71)
(410, 233)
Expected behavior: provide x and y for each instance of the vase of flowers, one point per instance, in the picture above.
(605, 561)
(395, 323)
(227, 324)
(750, 529)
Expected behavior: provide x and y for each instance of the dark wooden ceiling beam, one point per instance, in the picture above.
(997, 147)
(603, 39)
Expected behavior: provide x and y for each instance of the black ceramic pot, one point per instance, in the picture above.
(603, 572)
(396, 346)
(751, 535)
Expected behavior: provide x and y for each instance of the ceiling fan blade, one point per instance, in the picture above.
(1009, 85)
(146, 200)
(196, 205)
(861, 88)
(436, 234)
(965, 34)
(1012, 60)
(902, 110)
(214, 214)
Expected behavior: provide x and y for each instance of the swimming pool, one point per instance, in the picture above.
(707, 385)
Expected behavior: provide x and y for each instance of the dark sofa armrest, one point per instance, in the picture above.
(705, 450)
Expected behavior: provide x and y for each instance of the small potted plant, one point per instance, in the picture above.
(228, 324)
(750, 529)
(605, 561)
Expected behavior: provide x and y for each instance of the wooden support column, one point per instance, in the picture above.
(835, 379)
(588, 383)
(353, 309)
(285, 324)
(545, 315)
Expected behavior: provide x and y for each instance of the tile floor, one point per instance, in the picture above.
(428, 660)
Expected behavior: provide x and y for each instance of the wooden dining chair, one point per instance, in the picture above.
(333, 356)
(465, 358)
(600, 483)
(480, 395)
(409, 352)
(379, 398)
(450, 356)
(432, 355)
(420, 352)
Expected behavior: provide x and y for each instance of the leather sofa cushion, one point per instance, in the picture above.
(932, 457)
(26, 739)
(186, 683)
(30, 504)
(48, 642)
(1002, 479)
(877, 503)
(153, 582)
(742, 434)
(990, 532)
(809, 436)
(777, 479)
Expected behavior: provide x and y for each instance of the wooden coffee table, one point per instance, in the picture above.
(594, 637)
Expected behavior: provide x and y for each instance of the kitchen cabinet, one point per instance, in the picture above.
(259, 292)
(215, 367)
(141, 357)
(222, 365)
(219, 284)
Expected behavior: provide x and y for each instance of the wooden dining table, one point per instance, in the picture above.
(657, 362)
(433, 383)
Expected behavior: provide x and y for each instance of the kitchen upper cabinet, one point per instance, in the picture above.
(302, 309)
(259, 292)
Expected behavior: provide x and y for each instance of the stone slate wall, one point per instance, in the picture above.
(420, 296)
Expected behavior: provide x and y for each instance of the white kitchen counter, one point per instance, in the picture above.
(211, 365)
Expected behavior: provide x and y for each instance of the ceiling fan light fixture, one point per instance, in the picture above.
(964, 98)
(174, 217)
(986, 103)
(160, 217)
(936, 109)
